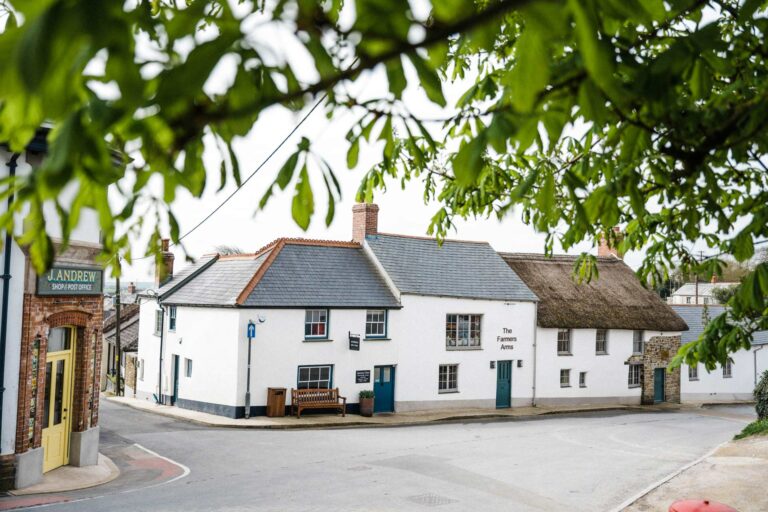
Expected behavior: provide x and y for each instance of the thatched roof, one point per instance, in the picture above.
(615, 300)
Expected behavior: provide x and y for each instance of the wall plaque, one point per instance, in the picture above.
(71, 280)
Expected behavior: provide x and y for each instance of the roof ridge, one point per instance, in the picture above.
(553, 257)
(307, 241)
(275, 247)
(433, 239)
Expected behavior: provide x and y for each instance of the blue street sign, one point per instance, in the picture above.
(251, 330)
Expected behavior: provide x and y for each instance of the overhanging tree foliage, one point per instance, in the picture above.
(581, 115)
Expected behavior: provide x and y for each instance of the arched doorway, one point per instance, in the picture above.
(57, 404)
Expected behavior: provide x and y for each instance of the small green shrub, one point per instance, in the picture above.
(761, 397)
(759, 427)
(366, 393)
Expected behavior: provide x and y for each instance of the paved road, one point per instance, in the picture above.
(576, 462)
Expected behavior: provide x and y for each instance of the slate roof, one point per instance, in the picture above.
(615, 300)
(288, 273)
(705, 289)
(317, 275)
(694, 317)
(186, 273)
(473, 270)
(129, 328)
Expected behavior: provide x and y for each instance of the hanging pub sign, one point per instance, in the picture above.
(354, 341)
(71, 280)
(362, 376)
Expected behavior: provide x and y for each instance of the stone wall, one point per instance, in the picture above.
(658, 352)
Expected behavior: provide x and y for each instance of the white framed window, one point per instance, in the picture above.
(315, 377)
(637, 342)
(582, 379)
(141, 369)
(688, 300)
(172, 318)
(635, 375)
(706, 300)
(316, 323)
(601, 341)
(376, 323)
(462, 331)
(187, 367)
(693, 372)
(565, 378)
(448, 378)
(564, 341)
(158, 322)
(728, 369)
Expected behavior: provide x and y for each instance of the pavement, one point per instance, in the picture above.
(69, 478)
(735, 473)
(589, 461)
(379, 420)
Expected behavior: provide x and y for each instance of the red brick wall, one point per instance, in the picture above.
(365, 221)
(40, 315)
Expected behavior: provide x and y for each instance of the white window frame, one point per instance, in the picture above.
(158, 322)
(314, 376)
(141, 370)
(187, 367)
(635, 377)
(314, 317)
(447, 375)
(376, 320)
(728, 369)
(564, 336)
(565, 377)
(463, 331)
(688, 300)
(604, 341)
(171, 318)
(582, 379)
(693, 372)
(637, 341)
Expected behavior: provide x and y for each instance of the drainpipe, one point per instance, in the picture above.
(535, 330)
(754, 354)
(6, 277)
(160, 398)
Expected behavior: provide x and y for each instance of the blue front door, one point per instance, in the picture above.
(503, 384)
(383, 389)
(658, 384)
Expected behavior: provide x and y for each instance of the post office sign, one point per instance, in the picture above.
(71, 280)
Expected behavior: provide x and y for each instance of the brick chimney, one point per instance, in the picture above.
(164, 271)
(714, 279)
(365, 221)
(604, 249)
(131, 288)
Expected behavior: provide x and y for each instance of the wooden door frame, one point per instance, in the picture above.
(69, 356)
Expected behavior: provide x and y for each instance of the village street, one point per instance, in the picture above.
(564, 462)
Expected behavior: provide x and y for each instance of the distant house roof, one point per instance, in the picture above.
(421, 266)
(695, 318)
(129, 328)
(705, 289)
(615, 300)
(286, 273)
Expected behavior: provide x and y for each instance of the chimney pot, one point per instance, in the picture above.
(713, 280)
(365, 221)
(131, 288)
(603, 249)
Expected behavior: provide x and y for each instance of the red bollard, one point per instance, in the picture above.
(700, 506)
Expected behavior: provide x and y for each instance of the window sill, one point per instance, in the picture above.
(312, 340)
(693, 380)
(447, 391)
(637, 353)
(463, 348)
(601, 353)
(727, 376)
(634, 386)
(565, 353)
(565, 385)
(377, 339)
(582, 386)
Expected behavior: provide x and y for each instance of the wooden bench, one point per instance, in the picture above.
(317, 399)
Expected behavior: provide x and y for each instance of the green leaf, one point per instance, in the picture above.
(592, 102)
(286, 171)
(531, 72)
(596, 55)
(303, 205)
(428, 78)
(468, 162)
(353, 153)
(396, 77)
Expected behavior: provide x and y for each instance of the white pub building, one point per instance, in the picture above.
(423, 325)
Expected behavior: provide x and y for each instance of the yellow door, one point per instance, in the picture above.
(58, 398)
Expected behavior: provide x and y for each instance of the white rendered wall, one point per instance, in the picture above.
(607, 375)
(416, 346)
(713, 387)
(12, 345)
(149, 350)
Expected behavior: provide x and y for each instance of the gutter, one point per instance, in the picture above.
(6, 277)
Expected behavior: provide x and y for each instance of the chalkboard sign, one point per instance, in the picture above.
(354, 341)
(362, 376)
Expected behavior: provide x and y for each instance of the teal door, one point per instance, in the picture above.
(503, 384)
(175, 394)
(383, 389)
(658, 384)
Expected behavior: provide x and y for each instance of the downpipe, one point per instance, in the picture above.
(6, 277)
(535, 331)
